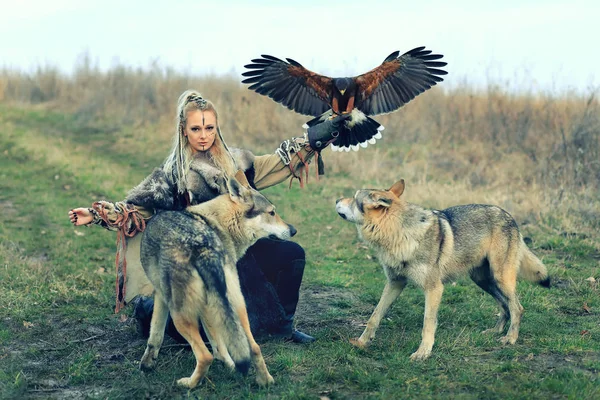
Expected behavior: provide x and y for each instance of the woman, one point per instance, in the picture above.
(195, 171)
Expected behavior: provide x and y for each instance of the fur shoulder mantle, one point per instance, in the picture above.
(205, 181)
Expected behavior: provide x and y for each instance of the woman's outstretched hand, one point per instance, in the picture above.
(80, 216)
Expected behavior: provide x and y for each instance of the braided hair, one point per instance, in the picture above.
(180, 158)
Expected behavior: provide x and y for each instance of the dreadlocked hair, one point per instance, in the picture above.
(180, 158)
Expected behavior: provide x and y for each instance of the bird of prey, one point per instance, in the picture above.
(386, 88)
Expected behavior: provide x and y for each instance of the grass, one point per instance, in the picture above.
(60, 339)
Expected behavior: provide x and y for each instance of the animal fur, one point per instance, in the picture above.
(431, 246)
(190, 258)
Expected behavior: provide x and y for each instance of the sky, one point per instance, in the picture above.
(529, 45)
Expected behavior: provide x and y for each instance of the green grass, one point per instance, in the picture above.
(60, 339)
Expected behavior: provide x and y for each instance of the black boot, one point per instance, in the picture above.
(142, 312)
(288, 289)
(273, 269)
(301, 337)
(286, 331)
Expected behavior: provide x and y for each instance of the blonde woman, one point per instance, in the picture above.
(196, 170)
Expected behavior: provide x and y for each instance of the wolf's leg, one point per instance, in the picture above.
(483, 277)
(504, 267)
(433, 296)
(507, 284)
(157, 333)
(391, 291)
(189, 329)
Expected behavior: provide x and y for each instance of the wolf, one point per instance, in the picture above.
(431, 246)
(190, 258)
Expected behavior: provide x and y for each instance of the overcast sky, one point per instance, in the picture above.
(540, 45)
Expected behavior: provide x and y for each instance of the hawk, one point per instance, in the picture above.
(386, 88)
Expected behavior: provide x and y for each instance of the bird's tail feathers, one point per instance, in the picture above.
(359, 132)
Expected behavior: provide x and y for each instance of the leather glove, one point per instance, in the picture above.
(320, 135)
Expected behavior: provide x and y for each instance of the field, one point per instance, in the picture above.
(68, 141)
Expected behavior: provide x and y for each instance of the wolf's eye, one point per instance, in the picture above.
(272, 213)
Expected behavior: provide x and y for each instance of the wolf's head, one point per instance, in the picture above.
(256, 216)
(368, 203)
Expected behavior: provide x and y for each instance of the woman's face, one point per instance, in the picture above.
(200, 129)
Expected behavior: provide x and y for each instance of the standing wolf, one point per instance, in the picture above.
(431, 246)
(190, 258)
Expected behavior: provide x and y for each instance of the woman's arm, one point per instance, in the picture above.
(293, 156)
(154, 192)
(106, 214)
(291, 159)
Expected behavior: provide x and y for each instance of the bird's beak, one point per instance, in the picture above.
(343, 91)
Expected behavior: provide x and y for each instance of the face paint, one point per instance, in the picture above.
(200, 129)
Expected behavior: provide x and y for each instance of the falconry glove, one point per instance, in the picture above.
(320, 135)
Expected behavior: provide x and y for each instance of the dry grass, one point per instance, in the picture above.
(538, 155)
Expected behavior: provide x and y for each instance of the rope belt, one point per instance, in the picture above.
(128, 223)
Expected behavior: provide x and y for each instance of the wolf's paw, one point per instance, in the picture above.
(508, 339)
(147, 363)
(356, 342)
(265, 380)
(420, 354)
(187, 382)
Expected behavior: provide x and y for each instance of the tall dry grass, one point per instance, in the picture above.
(537, 154)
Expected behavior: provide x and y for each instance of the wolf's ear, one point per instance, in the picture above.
(375, 200)
(397, 188)
(241, 178)
(236, 190)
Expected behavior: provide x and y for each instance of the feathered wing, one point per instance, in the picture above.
(398, 80)
(290, 84)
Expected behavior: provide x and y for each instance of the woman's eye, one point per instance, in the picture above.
(194, 129)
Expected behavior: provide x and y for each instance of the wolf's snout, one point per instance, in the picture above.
(340, 209)
(344, 208)
(293, 230)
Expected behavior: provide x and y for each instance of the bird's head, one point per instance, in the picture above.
(342, 84)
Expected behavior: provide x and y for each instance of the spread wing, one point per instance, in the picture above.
(398, 80)
(290, 84)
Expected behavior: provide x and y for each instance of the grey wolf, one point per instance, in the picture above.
(431, 246)
(190, 258)
(270, 275)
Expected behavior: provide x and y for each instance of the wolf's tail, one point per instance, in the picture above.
(237, 343)
(220, 318)
(225, 331)
(532, 268)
